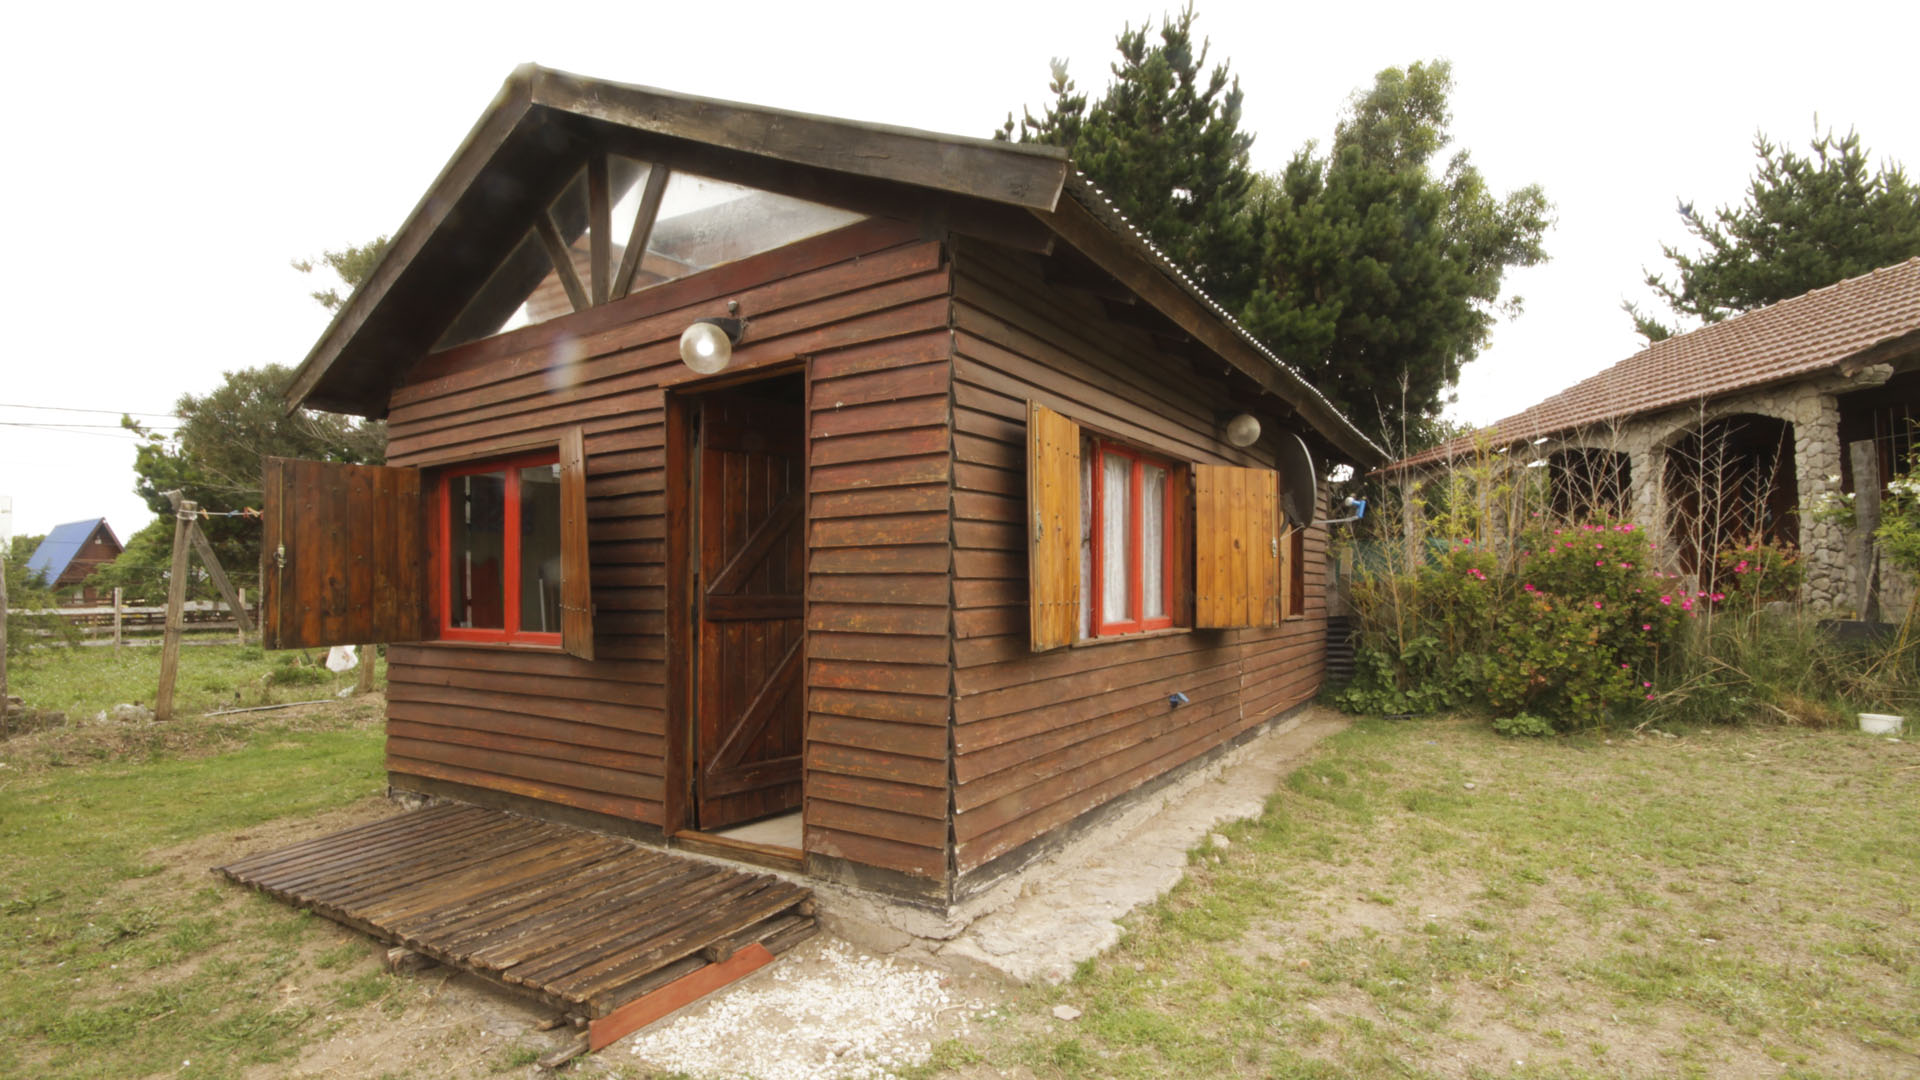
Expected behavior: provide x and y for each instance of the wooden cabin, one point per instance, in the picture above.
(70, 554)
(951, 556)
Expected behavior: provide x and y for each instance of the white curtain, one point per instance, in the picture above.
(1153, 541)
(1116, 478)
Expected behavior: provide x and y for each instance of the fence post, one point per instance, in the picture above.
(176, 601)
(240, 618)
(368, 653)
(3, 642)
(116, 618)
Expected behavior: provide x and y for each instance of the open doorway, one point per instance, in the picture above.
(744, 727)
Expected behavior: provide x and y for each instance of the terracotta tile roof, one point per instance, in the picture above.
(1807, 334)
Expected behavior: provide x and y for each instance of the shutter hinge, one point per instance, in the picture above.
(1275, 541)
(1039, 528)
(280, 557)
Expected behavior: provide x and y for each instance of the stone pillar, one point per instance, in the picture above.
(1816, 464)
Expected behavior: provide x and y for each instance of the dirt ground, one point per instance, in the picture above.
(824, 1009)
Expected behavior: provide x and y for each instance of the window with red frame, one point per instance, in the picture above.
(1130, 579)
(498, 539)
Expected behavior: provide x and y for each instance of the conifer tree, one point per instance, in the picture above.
(1164, 143)
(1381, 270)
(1807, 222)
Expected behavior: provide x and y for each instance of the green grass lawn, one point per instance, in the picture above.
(82, 682)
(1420, 899)
(120, 955)
(1427, 899)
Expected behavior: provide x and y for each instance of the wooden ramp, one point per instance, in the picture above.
(614, 934)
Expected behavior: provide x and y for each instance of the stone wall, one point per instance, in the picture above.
(1813, 409)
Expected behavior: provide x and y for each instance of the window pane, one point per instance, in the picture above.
(540, 549)
(476, 505)
(1116, 488)
(1153, 541)
(705, 222)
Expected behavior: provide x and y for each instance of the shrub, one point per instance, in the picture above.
(1757, 573)
(1570, 627)
(1525, 726)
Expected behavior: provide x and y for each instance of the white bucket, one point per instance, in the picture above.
(1874, 723)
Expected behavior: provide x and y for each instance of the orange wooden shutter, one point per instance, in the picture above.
(576, 592)
(1053, 528)
(1236, 521)
(342, 555)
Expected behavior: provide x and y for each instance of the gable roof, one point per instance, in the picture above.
(1851, 324)
(544, 123)
(56, 552)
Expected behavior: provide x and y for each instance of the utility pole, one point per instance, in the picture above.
(6, 548)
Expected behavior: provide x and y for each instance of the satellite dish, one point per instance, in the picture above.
(1299, 490)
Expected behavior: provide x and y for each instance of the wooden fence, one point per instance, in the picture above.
(111, 624)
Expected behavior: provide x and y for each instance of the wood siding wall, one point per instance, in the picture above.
(869, 305)
(1041, 739)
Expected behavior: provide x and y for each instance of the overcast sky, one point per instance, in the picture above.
(165, 161)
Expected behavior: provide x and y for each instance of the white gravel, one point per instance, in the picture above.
(824, 1011)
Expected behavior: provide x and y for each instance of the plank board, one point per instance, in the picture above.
(584, 921)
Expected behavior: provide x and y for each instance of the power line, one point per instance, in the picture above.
(64, 408)
(57, 426)
(122, 437)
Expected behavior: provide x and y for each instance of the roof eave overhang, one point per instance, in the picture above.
(1135, 264)
(1025, 177)
(1892, 350)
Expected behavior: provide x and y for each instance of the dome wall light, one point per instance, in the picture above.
(1243, 430)
(706, 346)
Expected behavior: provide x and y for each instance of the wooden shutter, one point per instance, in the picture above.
(1053, 528)
(576, 591)
(1236, 521)
(342, 555)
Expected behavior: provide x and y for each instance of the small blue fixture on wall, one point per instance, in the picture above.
(1176, 699)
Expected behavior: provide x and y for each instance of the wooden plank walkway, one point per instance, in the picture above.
(607, 931)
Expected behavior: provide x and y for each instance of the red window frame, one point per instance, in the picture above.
(509, 633)
(1133, 620)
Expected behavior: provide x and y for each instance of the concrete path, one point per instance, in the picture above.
(1068, 908)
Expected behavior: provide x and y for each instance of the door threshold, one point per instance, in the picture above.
(771, 856)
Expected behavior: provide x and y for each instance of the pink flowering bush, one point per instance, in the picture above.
(1567, 623)
(1756, 573)
(1584, 640)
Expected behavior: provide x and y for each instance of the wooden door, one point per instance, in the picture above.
(749, 679)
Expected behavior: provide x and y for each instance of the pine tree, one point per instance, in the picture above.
(1379, 277)
(1807, 222)
(1164, 143)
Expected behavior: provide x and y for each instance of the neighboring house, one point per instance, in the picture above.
(1739, 428)
(70, 553)
(950, 558)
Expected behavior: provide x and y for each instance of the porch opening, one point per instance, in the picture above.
(1731, 482)
(1889, 416)
(1586, 484)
